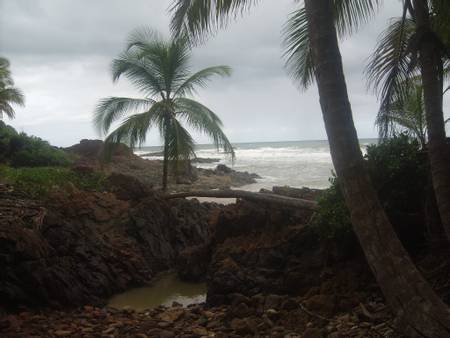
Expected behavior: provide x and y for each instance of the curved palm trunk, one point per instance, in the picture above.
(420, 311)
(439, 154)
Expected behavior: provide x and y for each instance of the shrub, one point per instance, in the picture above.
(39, 181)
(398, 171)
(22, 150)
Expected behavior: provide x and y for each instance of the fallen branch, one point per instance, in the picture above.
(251, 196)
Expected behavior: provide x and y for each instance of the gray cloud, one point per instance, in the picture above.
(61, 51)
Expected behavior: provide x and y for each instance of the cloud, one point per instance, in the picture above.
(61, 51)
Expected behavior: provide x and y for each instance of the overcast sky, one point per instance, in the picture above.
(61, 50)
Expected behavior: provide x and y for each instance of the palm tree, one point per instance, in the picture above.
(420, 310)
(407, 115)
(415, 45)
(160, 70)
(8, 93)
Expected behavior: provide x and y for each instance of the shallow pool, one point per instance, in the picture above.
(164, 290)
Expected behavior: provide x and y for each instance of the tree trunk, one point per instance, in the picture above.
(432, 72)
(420, 311)
(165, 165)
(251, 196)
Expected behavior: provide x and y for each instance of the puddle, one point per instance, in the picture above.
(163, 291)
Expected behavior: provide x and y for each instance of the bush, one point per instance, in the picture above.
(332, 219)
(21, 150)
(398, 171)
(39, 181)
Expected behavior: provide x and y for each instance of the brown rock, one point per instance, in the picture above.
(312, 333)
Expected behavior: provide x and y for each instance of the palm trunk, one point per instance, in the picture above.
(439, 154)
(420, 311)
(165, 165)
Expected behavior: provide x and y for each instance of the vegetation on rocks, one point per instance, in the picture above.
(21, 150)
(40, 181)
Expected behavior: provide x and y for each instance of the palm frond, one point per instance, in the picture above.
(199, 18)
(201, 79)
(350, 15)
(6, 109)
(8, 96)
(144, 75)
(388, 69)
(205, 121)
(113, 108)
(133, 131)
(180, 144)
(298, 55)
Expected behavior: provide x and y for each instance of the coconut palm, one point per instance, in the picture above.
(420, 310)
(415, 45)
(160, 70)
(8, 93)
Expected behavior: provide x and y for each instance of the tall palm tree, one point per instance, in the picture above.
(160, 70)
(8, 93)
(420, 310)
(416, 45)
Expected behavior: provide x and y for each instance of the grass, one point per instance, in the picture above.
(39, 181)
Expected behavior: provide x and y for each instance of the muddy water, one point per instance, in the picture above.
(163, 291)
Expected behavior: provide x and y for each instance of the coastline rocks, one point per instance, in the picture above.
(89, 156)
(81, 247)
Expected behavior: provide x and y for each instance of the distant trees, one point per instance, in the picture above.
(160, 70)
(9, 95)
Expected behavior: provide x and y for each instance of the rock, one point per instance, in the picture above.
(172, 315)
(312, 333)
(62, 333)
(241, 310)
(93, 242)
(289, 304)
(127, 187)
(325, 304)
(240, 326)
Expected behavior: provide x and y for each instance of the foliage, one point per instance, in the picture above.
(398, 170)
(332, 219)
(19, 149)
(393, 67)
(8, 93)
(160, 70)
(406, 115)
(197, 19)
(39, 181)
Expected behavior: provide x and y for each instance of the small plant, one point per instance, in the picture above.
(332, 219)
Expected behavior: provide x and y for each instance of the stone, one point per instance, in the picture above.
(312, 333)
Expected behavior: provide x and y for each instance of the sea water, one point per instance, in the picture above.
(293, 163)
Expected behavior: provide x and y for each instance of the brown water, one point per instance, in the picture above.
(163, 291)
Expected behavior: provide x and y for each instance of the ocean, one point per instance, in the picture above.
(294, 163)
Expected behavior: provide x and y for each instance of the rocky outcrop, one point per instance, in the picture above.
(89, 156)
(258, 250)
(80, 247)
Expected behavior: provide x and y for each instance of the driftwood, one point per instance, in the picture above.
(251, 196)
